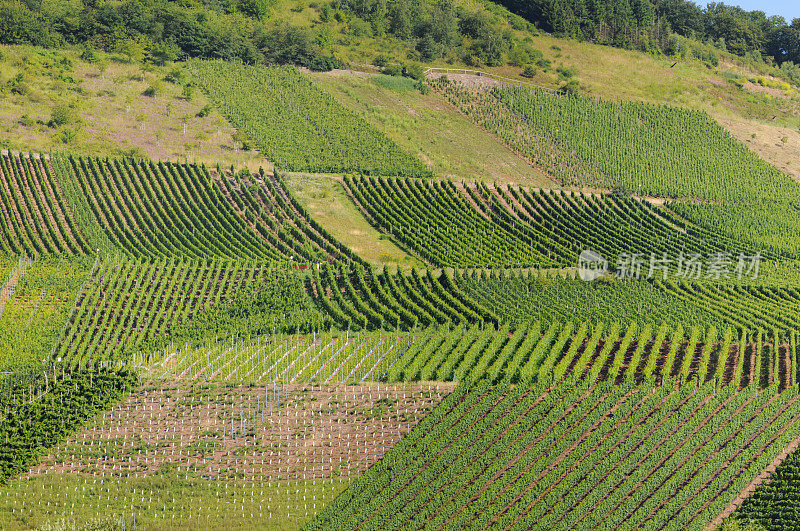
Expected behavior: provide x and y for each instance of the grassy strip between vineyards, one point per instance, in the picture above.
(530, 353)
(33, 423)
(298, 126)
(161, 503)
(590, 455)
(638, 147)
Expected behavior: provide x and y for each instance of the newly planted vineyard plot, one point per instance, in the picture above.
(34, 218)
(258, 433)
(475, 225)
(643, 148)
(585, 456)
(127, 302)
(357, 298)
(327, 358)
(298, 126)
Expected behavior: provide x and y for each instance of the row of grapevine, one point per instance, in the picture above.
(33, 314)
(298, 126)
(607, 223)
(774, 503)
(584, 455)
(462, 352)
(746, 307)
(265, 204)
(518, 296)
(639, 147)
(154, 210)
(436, 221)
(475, 225)
(128, 301)
(551, 353)
(34, 217)
(356, 298)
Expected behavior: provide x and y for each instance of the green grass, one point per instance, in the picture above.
(35, 314)
(432, 129)
(162, 502)
(326, 201)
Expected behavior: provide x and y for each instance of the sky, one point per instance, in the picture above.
(788, 9)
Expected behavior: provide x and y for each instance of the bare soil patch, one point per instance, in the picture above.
(258, 433)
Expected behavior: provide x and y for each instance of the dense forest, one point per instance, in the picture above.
(648, 25)
(256, 31)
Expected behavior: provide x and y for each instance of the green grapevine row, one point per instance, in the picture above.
(70, 400)
(774, 503)
(126, 302)
(154, 210)
(34, 217)
(539, 352)
(357, 298)
(582, 455)
(639, 147)
(476, 225)
(298, 126)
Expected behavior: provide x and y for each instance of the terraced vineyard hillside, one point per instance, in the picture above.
(473, 225)
(572, 456)
(327, 335)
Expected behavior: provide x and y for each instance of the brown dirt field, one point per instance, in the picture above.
(259, 433)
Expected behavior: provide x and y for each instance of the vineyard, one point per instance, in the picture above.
(34, 306)
(526, 354)
(298, 126)
(524, 295)
(771, 226)
(34, 217)
(773, 504)
(155, 210)
(126, 303)
(339, 340)
(474, 225)
(572, 456)
(358, 298)
(638, 147)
